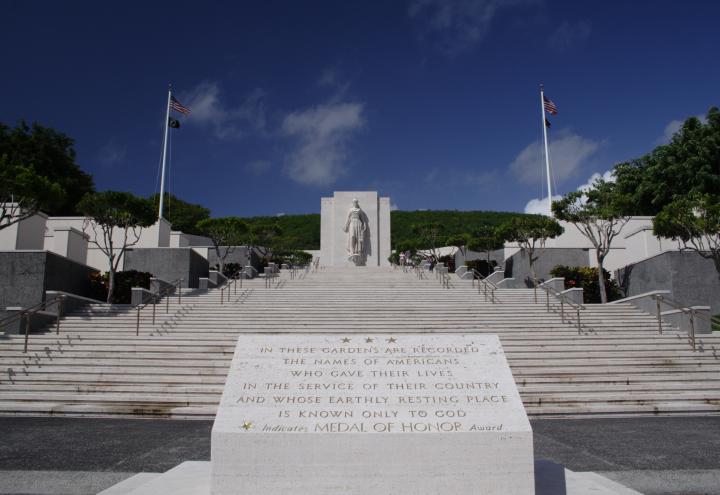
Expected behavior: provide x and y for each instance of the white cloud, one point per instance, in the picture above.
(321, 135)
(568, 35)
(673, 127)
(226, 121)
(540, 206)
(455, 26)
(281, 214)
(112, 154)
(670, 130)
(258, 167)
(568, 151)
(608, 176)
(328, 77)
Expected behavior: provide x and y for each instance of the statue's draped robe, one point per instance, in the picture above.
(355, 227)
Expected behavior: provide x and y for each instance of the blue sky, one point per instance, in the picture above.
(432, 103)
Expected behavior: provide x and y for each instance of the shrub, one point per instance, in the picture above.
(586, 277)
(482, 266)
(294, 257)
(124, 282)
(229, 269)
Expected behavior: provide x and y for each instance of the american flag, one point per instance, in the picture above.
(550, 106)
(178, 107)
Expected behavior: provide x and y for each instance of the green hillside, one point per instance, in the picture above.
(453, 221)
(303, 231)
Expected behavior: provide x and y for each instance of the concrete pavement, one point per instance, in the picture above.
(72, 456)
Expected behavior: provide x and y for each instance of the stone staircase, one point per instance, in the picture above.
(97, 366)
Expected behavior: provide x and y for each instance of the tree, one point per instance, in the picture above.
(458, 241)
(182, 215)
(693, 220)
(23, 193)
(225, 233)
(116, 220)
(51, 155)
(486, 239)
(453, 221)
(429, 236)
(264, 237)
(690, 163)
(598, 214)
(531, 232)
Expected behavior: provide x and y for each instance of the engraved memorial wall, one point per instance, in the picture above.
(381, 414)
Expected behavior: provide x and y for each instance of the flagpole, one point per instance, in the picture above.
(164, 155)
(547, 156)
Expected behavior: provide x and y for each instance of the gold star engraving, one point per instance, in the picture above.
(392, 340)
(369, 340)
(345, 340)
(247, 425)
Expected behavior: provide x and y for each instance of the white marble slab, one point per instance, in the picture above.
(193, 478)
(381, 414)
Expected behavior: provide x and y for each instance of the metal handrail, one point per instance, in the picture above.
(270, 275)
(252, 268)
(27, 313)
(442, 274)
(690, 311)
(232, 279)
(32, 310)
(564, 299)
(174, 285)
(480, 277)
(487, 286)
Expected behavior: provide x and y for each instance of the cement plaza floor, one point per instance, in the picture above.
(71, 456)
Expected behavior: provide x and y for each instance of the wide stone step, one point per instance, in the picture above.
(558, 354)
(618, 364)
(147, 388)
(124, 409)
(626, 408)
(174, 400)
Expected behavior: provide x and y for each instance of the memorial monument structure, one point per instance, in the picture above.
(370, 414)
(355, 229)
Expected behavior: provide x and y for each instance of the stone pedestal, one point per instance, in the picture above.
(333, 217)
(358, 414)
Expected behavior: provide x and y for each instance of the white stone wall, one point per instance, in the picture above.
(178, 239)
(634, 243)
(68, 242)
(8, 238)
(29, 234)
(384, 249)
(157, 235)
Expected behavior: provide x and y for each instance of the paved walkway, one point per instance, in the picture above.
(70, 456)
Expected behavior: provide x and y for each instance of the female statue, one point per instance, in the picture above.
(355, 227)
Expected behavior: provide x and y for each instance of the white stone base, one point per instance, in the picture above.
(193, 478)
(413, 414)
